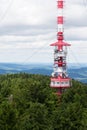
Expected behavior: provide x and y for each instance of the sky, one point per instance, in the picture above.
(28, 27)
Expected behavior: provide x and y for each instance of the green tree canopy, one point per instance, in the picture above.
(28, 103)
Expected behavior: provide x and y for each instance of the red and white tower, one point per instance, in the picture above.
(59, 78)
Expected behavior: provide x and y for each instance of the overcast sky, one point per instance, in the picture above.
(28, 27)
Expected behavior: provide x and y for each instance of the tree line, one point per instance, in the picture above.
(28, 103)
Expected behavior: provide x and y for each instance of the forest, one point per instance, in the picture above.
(28, 103)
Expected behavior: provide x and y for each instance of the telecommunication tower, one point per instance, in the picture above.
(59, 78)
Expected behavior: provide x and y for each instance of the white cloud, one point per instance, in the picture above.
(28, 26)
(76, 33)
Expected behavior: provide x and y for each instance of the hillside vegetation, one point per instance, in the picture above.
(28, 103)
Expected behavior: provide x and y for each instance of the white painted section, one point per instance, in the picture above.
(60, 84)
(60, 28)
(60, 12)
(60, 69)
(60, 54)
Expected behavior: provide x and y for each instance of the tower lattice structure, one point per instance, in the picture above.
(59, 78)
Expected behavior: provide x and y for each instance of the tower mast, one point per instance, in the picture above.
(59, 78)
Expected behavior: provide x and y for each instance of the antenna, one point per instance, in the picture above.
(59, 78)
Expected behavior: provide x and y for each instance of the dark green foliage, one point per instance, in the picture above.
(28, 103)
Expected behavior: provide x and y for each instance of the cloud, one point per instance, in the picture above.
(76, 16)
(76, 33)
(27, 26)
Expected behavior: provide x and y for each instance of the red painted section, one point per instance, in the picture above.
(60, 33)
(60, 87)
(60, 63)
(60, 79)
(60, 43)
(60, 4)
(60, 36)
(60, 20)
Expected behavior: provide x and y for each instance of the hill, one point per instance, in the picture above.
(76, 72)
(28, 103)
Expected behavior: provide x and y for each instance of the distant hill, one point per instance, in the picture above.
(75, 72)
